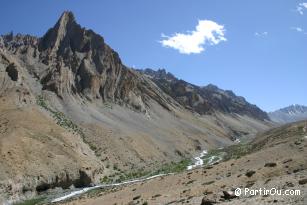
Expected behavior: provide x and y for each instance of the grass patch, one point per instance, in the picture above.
(237, 151)
(34, 201)
(173, 167)
(132, 175)
(106, 180)
(124, 176)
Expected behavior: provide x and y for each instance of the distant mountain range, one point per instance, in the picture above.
(289, 114)
(203, 99)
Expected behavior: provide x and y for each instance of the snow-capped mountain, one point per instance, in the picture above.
(288, 114)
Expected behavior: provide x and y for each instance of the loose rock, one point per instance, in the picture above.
(270, 164)
(302, 181)
(229, 195)
(250, 173)
(206, 201)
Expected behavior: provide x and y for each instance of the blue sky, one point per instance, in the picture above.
(263, 59)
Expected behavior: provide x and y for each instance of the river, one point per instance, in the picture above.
(197, 162)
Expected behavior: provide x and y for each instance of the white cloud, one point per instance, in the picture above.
(301, 7)
(298, 29)
(206, 33)
(262, 34)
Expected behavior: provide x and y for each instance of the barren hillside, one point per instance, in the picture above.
(275, 159)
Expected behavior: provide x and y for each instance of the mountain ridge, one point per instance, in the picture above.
(291, 113)
(203, 99)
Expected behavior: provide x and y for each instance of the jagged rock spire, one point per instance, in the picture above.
(60, 33)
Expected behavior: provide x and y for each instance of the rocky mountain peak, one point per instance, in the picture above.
(160, 73)
(294, 109)
(79, 63)
(67, 16)
(288, 114)
(66, 21)
(68, 36)
(210, 87)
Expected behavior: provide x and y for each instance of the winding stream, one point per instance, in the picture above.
(197, 162)
(86, 189)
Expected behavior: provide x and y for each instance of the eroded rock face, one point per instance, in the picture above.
(71, 60)
(204, 100)
(65, 181)
(80, 63)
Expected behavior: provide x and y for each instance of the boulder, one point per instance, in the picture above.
(206, 201)
(228, 195)
(302, 181)
(250, 173)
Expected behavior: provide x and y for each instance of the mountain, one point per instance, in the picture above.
(289, 114)
(72, 114)
(203, 100)
(73, 61)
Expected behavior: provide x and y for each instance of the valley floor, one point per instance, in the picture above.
(278, 160)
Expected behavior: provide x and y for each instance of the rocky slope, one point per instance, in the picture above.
(203, 100)
(73, 113)
(72, 61)
(275, 159)
(289, 114)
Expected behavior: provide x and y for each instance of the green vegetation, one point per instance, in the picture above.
(34, 201)
(132, 175)
(108, 105)
(174, 167)
(231, 152)
(94, 192)
(41, 102)
(120, 176)
(64, 122)
(213, 156)
(211, 159)
(60, 117)
(106, 180)
(237, 151)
